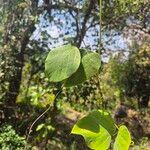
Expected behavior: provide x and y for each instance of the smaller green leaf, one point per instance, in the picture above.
(89, 66)
(50, 128)
(39, 127)
(91, 62)
(123, 139)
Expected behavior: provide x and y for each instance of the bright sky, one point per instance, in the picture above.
(61, 28)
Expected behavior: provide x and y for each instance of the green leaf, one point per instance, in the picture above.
(89, 66)
(39, 127)
(123, 139)
(96, 128)
(50, 128)
(62, 62)
(91, 63)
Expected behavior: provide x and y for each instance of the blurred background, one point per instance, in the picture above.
(29, 29)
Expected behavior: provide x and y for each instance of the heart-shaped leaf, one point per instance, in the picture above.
(62, 62)
(89, 66)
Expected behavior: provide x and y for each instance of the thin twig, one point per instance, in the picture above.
(99, 52)
(100, 92)
(38, 118)
(100, 32)
(30, 129)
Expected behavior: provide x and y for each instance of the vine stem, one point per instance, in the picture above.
(99, 51)
(39, 117)
(30, 129)
(100, 27)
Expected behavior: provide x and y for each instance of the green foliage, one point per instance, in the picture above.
(40, 97)
(62, 62)
(44, 130)
(10, 140)
(136, 77)
(84, 97)
(36, 96)
(111, 79)
(95, 129)
(99, 140)
(123, 139)
(96, 119)
(66, 63)
(20, 45)
(98, 128)
(89, 66)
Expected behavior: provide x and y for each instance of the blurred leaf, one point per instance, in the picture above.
(23, 5)
(39, 127)
(47, 99)
(50, 128)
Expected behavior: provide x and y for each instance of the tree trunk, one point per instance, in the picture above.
(15, 80)
(22, 33)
